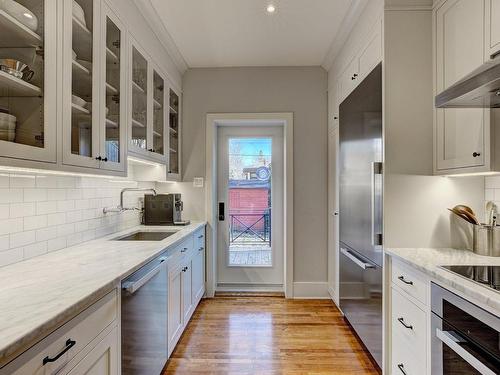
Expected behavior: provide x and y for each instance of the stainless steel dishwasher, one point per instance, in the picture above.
(144, 319)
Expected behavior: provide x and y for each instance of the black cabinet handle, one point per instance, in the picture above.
(98, 158)
(184, 250)
(105, 159)
(401, 368)
(402, 321)
(402, 278)
(476, 154)
(200, 236)
(354, 76)
(69, 344)
(201, 249)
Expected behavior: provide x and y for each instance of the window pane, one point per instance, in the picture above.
(249, 196)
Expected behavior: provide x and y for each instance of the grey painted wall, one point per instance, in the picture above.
(301, 90)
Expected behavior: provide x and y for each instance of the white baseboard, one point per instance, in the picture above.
(223, 287)
(310, 290)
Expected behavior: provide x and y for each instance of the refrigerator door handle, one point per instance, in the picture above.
(376, 170)
(356, 260)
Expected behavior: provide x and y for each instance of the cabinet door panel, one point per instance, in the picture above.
(492, 28)
(102, 359)
(371, 55)
(187, 288)
(461, 137)
(81, 98)
(28, 101)
(113, 84)
(198, 276)
(139, 79)
(174, 168)
(175, 308)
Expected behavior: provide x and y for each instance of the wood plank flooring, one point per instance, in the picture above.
(268, 336)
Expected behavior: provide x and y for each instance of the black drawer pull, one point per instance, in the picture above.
(201, 249)
(401, 368)
(402, 278)
(402, 321)
(200, 236)
(69, 344)
(184, 250)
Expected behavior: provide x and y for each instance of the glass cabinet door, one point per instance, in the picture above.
(174, 130)
(27, 80)
(158, 114)
(139, 108)
(82, 145)
(113, 107)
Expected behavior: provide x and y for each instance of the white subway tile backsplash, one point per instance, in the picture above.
(22, 181)
(11, 226)
(22, 209)
(42, 213)
(11, 256)
(35, 195)
(35, 222)
(22, 238)
(35, 249)
(11, 195)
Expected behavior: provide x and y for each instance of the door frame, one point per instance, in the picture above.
(213, 121)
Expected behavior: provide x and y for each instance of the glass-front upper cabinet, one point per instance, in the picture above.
(81, 112)
(113, 113)
(139, 104)
(158, 114)
(28, 79)
(94, 109)
(174, 135)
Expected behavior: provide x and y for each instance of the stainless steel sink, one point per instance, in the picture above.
(145, 236)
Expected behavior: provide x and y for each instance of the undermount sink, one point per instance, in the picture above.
(145, 236)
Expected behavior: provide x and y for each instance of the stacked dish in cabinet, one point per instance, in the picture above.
(22, 72)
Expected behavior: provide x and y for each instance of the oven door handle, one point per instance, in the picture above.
(450, 339)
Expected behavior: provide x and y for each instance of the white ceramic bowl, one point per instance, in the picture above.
(78, 101)
(78, 13)
(20, 13)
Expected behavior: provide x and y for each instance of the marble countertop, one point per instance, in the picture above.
(40, 294)
(428, 261)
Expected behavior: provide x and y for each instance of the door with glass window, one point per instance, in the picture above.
(250, 204)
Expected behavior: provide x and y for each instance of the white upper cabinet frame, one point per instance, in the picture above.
(492, 29)
(123, 121)
(48, 152)
(171, 174)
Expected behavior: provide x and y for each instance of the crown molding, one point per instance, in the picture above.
(345, 29)
(151, 15)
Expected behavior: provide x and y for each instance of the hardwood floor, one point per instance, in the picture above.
(268, 335)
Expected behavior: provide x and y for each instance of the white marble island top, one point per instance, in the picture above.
(40, 294)
(428, 261)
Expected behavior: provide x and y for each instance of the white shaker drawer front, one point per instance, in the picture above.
(199, 239)
(181, 252)
(410, 281)
(54, 352)
(409, 335)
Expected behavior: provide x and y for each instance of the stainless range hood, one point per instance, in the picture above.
(480, 89)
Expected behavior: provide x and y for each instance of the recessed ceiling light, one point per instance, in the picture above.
(271, 8)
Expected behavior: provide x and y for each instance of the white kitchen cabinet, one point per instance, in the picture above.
(102, 359)
(148, 98)
(28, 104)
(462, 135)
(80, 342)
(367, 58)
(94, 61)
(492, 28)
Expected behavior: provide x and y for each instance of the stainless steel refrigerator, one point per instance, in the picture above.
(361, 254)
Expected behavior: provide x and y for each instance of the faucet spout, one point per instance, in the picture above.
(120, 208)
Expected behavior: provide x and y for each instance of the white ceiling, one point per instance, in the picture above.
(222, 33)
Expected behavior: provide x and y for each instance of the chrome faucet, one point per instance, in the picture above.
(120, 208)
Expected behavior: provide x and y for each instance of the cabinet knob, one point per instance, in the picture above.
(105, 159)
(354, 76)
(200, 249)
(98, 158)
(184, 250)
(476, 154)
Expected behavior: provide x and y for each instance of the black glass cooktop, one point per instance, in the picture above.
(488, 276)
